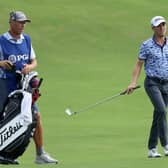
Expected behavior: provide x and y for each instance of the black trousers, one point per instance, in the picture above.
(157, 90)
(3, 94)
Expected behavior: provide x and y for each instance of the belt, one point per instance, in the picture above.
(158, 80)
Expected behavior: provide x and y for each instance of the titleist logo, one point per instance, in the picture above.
(8, 132)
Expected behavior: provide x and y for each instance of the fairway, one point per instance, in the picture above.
(86, 50)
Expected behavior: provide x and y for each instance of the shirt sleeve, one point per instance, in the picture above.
(32, 54)
(142, 52)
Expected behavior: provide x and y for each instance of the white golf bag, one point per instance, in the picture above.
(18, 122)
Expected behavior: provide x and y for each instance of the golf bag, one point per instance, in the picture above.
(18, 122)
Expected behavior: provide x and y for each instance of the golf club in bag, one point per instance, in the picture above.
(70, 112)
(18, 120)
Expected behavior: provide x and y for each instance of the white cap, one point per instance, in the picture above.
(157, 20)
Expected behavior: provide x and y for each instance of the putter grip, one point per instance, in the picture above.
(137, 87)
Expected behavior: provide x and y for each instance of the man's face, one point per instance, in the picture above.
(160, 30)
(17, 26)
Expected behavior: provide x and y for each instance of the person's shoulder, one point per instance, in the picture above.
(26, 35)
(148, 41)
(5, 36)
(2, 36)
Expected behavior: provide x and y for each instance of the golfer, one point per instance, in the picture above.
(154, 54)
(16, 49)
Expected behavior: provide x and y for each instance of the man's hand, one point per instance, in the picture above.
(6, 64)
(27, 68)
(130, 88)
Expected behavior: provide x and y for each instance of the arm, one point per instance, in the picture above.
(135, 75)
(29, 67)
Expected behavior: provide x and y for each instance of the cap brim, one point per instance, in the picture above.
(158, 23)
(27, 20)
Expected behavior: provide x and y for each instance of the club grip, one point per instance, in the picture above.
(137, 87)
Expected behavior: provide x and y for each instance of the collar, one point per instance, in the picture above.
(165, 41)
(8, 36)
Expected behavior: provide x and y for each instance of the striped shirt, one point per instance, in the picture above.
(155, 58)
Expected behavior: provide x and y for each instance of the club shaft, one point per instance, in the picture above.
(104, 100)
(98, 102)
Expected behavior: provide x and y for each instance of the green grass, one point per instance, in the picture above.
(86, 51)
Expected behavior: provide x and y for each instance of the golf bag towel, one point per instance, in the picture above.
(17, 124)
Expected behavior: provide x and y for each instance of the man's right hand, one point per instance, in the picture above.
(130, 88)
(6, 64)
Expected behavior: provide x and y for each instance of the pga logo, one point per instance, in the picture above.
(17, 58)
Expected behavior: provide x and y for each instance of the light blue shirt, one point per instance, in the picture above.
(155, 58)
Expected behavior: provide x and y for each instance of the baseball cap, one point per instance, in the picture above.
(18, 16)
(155, 21)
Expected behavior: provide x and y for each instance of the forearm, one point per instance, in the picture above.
(136, 72)
(135, 76)
(33, 64)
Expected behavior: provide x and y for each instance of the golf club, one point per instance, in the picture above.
(70, 112)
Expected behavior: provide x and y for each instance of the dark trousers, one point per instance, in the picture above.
(3, 94)
(157, 90)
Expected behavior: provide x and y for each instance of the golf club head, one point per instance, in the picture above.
(69, 112)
